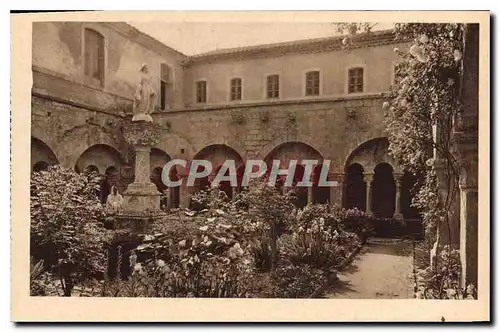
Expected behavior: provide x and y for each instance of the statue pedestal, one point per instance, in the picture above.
(141, 204)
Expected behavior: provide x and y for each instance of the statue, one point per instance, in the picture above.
(144, 98)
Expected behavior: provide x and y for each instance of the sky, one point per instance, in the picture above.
(199, 37)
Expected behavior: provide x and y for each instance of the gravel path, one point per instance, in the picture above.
(382, 270)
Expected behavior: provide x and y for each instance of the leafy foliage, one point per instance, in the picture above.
(317, 239)
(441, 280)
(67, 230)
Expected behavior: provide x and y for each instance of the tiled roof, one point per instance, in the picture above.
(297, 46)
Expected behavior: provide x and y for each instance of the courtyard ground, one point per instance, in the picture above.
(382, 270)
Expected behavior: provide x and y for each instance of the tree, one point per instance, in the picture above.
(67, 220)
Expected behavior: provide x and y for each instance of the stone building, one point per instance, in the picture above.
(309, 99)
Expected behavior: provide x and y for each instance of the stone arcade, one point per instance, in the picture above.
(301, 100)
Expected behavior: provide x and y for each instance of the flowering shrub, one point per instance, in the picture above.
(206, 257)
(317, 239)
(67, 225)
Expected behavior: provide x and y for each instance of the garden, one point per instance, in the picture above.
(256, 245)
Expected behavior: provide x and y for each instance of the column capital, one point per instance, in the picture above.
(335, 176)
(398, 179)
(368, 177)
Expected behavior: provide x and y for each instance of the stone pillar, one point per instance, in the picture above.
(142, 168)
(310, 197)
(398, 178)
(466, 136)
(469, 234)
(337, 192)
(141, 198)
(368, 177)
(169, 198)
(184, 194)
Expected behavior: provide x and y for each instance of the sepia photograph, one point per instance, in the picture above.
(325, 160)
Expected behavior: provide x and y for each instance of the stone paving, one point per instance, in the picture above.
(382, 270)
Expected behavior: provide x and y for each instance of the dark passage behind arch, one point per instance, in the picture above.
(384, 191)
(355, 188)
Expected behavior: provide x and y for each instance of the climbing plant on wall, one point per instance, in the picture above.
(419, 115)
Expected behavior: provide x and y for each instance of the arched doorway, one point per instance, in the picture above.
(297, 151)
(355, 188)
(216, 154)
(102, 159)
(41, 156)
(384, 191)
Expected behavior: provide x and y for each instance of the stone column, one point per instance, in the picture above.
(337, 192)
(141, 198)
(398, 178)
(310, 195)
(169, 198)
(469, 234)
(368, 177)
(142, 168)
(184, 194)
(466, 136)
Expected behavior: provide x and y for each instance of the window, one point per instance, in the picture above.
(201, 91)
(355, 78)
(94, 56)
(273, 86)
(312, 83)
(164, 85)
(236, 89)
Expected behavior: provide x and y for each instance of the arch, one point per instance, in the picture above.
(82, 138)
(41, 154)
(107, 161)
(217, 154)
(384, 191)
(158, 158)
(276, 143)
(370, 153)
(292, 150)
(100, 155)
(40, 166)
(355, 188)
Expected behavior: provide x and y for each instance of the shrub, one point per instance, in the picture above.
(297, 281)
(442, 279)
(67, 225)
(357, 221)
(317, 239)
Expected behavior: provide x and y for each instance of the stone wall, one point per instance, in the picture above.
(58, 53)
(378, 63)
